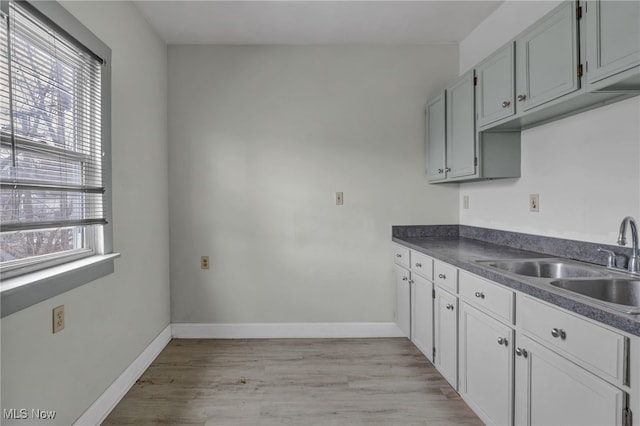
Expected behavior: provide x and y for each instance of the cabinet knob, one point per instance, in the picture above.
(480, 295)
(440, 171)
(448, 169)
(398, 255)
(506, 104)
(418, 265)
(410, 281)
(522, 352)
(503, 341)
(449, 306)
(404, 278)
(521, 98)
(558, 332)
(442, 276)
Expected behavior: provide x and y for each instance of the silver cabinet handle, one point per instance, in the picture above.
(521, 98)
(558, 332)
(398, 255)
(555, 332)
(404, 278)
(522, 352)
(447, 169)
(480, 295)
(506, 104)
(418, 265)
(449, 306)
(410, 281)
(440, 171)
(443, 276)
(503, 341)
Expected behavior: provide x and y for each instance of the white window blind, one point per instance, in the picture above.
(51, 171)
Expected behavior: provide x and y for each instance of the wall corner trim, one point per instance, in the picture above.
(284, 330)
(100, 409)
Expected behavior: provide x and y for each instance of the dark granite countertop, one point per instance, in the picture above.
(462, 252)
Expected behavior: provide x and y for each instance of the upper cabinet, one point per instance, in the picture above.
(495, 77)
(613, 45)
(461, 129)
(436, 124)
(547, 64)
(579, 56)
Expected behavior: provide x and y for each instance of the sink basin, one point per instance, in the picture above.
(625, 293)
(546, 268)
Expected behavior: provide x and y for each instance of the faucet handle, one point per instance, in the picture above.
(611, 257)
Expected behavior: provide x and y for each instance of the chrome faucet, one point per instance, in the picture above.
(634, 264)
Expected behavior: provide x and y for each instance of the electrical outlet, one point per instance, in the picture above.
(339, 199)
(534, 202)
(58, 319)
(204, 262)
(465, 202)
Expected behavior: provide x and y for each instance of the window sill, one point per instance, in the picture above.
(27, 290)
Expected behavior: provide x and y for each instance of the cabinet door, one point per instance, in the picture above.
(403, 300)
(550, 390)
(446, 335)
(496, 85)
(547, 59)
(486, 366)
(461, 129)
(613, 37)
(435, 142)
(422, 315)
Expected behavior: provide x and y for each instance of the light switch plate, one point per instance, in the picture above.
(534, 202)
(339, 199)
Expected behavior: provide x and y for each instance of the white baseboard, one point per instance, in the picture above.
(101, 408)
(284, 330)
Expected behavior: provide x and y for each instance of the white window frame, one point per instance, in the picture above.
(34, 286)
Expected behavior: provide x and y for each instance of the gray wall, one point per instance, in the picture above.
(260, 139)
(109, 322)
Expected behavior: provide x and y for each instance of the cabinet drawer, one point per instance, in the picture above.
(422, 265)
(445, 275)
(596, 348)
(498, 301)
(401, 255)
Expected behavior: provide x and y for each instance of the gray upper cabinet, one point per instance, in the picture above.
(547, 59)
(461, 132)
(613, 44)
(495, 87)
(436, 138)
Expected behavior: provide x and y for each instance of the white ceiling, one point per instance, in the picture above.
(314, 22)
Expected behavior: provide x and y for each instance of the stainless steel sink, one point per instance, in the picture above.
(546, 268)
(622, 294)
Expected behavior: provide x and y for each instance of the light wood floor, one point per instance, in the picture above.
(301, 382)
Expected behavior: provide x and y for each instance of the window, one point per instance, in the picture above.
(54, 140)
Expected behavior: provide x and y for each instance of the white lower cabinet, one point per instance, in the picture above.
(486, 365)
(550, 390)
(403, 299)
(422, 315)
(446, 335)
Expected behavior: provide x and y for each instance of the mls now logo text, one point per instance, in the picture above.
(24, 413)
